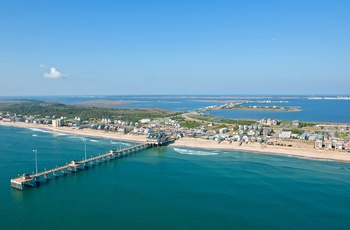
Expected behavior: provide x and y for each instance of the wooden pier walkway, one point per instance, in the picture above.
(33, 180)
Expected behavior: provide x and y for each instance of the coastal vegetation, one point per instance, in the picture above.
(190, 124)
(295, 131)
(237, 121)
(306, 124)
(203, 118)
(285, 122)
(54, 109)
(342, 134)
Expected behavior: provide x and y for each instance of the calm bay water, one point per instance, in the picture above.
(337, 111)
(169, 188)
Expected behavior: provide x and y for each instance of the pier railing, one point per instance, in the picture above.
(35, 179)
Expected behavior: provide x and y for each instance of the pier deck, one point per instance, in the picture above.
(33, 180)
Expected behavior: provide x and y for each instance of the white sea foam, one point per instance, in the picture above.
(117, 143)
(94, 140)
(36, 130)
(34, 135)
(44, 131)
(62, 134)
(75, 137)
(40, 130)
(195, 152)
(308, 158)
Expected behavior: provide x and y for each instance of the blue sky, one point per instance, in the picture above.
(174, 47)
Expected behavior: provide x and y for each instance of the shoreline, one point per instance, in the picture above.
(299, 152)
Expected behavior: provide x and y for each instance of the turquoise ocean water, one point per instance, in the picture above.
(168, 188)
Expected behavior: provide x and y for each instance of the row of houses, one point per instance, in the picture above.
(142, 130)
(311, 137)
(269, 121)
(340, 145)
(265, 131)
(173, 123)
(233, 138)
(27, 120)
(334, 127)
(107, 128)
(119, 122)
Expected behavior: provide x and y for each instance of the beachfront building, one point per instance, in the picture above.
(7, 119)
(78, 119)
(259, 139)
(19, 119)
(148, 131)
(339, 145)
(318, 144)
(57, 122)
(347, 147)
(328, 144)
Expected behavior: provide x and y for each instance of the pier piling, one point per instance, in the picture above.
(33, 180)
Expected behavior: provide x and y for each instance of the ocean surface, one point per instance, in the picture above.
(318, 109)
(168, 188)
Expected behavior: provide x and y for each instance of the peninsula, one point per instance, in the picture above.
(191, 129)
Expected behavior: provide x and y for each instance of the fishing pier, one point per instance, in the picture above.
(34, 180)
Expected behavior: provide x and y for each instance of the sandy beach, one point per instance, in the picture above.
(303, 151)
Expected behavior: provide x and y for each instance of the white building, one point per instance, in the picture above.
(285, 135)
(148, 131)
(57, 123)
(145, 120)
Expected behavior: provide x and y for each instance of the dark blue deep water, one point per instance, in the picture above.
(168, 188)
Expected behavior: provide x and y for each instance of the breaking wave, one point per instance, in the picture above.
(40, 130)
(94, 140)
(62, 134)
(117, 143)
(195, 152)
(74, 137)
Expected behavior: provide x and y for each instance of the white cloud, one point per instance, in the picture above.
(43, 66)
(54, 73)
